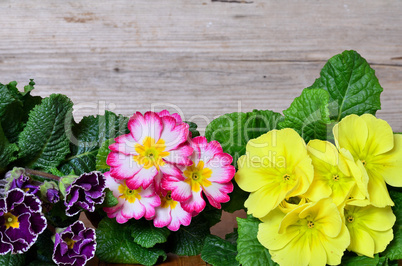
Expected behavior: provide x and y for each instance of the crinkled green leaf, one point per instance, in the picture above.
(211, 214)
(188, 240)
(110, 199)
(193, 129)
(394, 249)
(232, 237)
(13, 259)
(354, 260)
(86, 139)
(234, 130)
(115, 245)
(147, 235)
(44, 143)
(44, 246)
(219, 252)
(11, 110)
(57, 216)
(309, 115)
(8, 151)
(250, 251)
(351, 84)
(101, 157)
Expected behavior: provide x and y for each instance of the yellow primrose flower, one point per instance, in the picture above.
(312, 234)
(335, 174)
(370, 227)
(372, 143)
(276, 166)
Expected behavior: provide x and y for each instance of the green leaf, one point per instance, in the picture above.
(309, 115)
(211, 214)
(394, 249)
(234, 130)
(193, 129)
(43, 142)
(44, 246)
(360, 260)
(7, 151)
(250, 251)
(11, 110)
(101, 157)
(232, 237)
(13, 259)
(219, 252)
(115, 245)
(86, 139)
(147, 235)
(110, 199)
(188, 240)
(351, 84)
(57, 215)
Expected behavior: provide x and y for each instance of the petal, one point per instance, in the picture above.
(170, 170)
(222, 171)
(144, 178)
(361, 242)
(207, 150)
(299, 248)
(323, 152)
(218, 193)
(377, 190)
(351, 133)
(179, 217)
(195, 203)
(268, 231)
(317, 249)
(335, 247)
(389, 165)
(173, 134)
(162, 217)
(380, 136)
(379, 219)
(149, 205)
(133, 210)
(122, 166)
(147, 125)
(181, 191)
(180, 155)
(124, 144)
(262, 201)
(381, 239)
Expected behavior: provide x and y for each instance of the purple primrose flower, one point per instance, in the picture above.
(52, 195)
(75, 245)
(21, 221)
(85, 191)
(18, 179)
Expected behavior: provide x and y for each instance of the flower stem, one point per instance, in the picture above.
(42, 174)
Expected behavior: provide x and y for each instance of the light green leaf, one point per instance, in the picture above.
(86, 139)
(309, 115)
(43, 142)
(115, 245)
(110, 199)
(7, 151)
(219, 252)
(147, 235)
(351, 84)
(188, 240)
(250, 251)
(394, 249)
(234, 130)
(101, 157)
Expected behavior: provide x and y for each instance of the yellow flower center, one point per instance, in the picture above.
(197, 176)
(310, 224)
(335, 177)
(167, 201)
(286, 177)
(350, 219)
(129, 194)
(11, 221)
(150, 153)
(70, 243)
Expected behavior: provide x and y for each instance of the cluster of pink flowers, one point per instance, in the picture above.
(159, 172)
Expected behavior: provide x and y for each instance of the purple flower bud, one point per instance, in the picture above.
(52, 195)
(84, 192)
(19, 179)
(21, 221)
(75, 245)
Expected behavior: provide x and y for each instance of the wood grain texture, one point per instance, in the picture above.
(199, 57)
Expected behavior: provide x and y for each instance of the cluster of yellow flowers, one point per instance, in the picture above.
(317, 200)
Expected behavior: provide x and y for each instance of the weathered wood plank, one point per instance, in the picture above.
(204, 58)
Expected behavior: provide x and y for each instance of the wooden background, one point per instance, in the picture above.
(200, 58)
